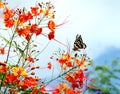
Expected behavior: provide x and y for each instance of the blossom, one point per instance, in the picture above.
(28, 82)
(2, 50)
(34, 11)
(11, 78)
(42, 89)
(25, 17)
(34, 29)
(38, 31)
(18, 71)
(56, 91)
(76, 79)
(3, 69)
(8, 14)
(51, 35)
(80, 63)
(35, 91)
(9, 23)
(2, 5)
(51, 25)
(24, 32)
(49, 65)
(30, 59)
(65, 58)
(8, 17)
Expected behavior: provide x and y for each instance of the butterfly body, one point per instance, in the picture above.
(78, 43)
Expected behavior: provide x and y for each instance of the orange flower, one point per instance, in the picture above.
(28, 82)
(51, 25)
(80, 63)
(8, 17)
(3, 69)
(65, 58)
(2, 5)
(18, 71)
(76, 79)
(24, 32)
(8, 14)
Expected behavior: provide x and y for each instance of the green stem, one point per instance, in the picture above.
(10, 47)
(60, 75)
(8, 56)
(5, 90)
(26, 48)
(3, 76)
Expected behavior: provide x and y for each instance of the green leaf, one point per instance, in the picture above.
(116, 70)
(102, 68)
(7, 41)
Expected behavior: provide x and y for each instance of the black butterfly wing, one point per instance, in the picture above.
(78, 44)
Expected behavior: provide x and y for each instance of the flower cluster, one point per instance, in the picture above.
(20, 52)
(73, 68)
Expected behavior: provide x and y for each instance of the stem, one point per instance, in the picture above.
(10, 47)
(5, 90)
(3, 76)
(8, 57)
(26, 48)
(60, 75)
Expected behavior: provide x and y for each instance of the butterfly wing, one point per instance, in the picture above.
(78, 44)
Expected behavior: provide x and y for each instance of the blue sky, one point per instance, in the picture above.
(98, 21)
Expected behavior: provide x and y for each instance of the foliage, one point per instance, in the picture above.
(106, 78)
(19, 51)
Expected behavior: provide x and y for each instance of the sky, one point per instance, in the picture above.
(97, 21)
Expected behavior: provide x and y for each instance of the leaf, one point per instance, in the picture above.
(102, 68)
(7, 41)
(16, 46)
(20, 50)
(116, 70)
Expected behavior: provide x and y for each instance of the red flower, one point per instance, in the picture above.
(51, 35)
(76, 79)
(10, 78)
(35, 91)
(34, 11)
(28, 82)
(8, 14)
(25, 17)
(56, 91)
(2, 50)
(38, 31)
(42, 89)
(3, 68)
(30, 59)
(9, 23)
(49, 65)
(35, 29)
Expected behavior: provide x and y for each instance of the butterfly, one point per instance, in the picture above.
(78, 43)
